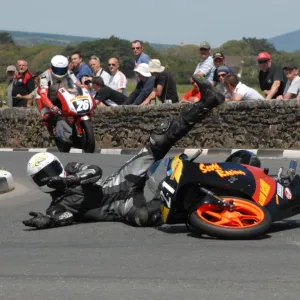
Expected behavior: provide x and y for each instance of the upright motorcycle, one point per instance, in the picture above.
(224, 199)
(72, 126)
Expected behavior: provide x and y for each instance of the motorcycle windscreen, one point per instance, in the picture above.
(157, 173)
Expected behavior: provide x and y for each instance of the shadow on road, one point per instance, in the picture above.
(284, 225)
(275, 227)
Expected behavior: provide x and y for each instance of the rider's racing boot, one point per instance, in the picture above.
(163, 138)
(210, 95)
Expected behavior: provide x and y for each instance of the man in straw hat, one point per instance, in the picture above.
(164, 87)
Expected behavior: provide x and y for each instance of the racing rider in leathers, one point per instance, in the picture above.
(51, 81)
(79, 194)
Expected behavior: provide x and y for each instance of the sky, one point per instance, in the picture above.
(155, 21)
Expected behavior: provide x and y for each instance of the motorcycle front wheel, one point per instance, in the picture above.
(247, 220)
(88, 142)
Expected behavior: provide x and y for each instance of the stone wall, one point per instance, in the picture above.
(249, 124)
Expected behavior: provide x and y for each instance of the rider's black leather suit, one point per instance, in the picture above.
(120, 197)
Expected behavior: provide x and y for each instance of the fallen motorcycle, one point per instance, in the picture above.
(224, 199)
(72, 125)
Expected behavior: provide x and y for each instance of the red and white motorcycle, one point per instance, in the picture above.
(73, 126)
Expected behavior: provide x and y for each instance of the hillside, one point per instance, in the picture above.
(288, 42)
(37, 38)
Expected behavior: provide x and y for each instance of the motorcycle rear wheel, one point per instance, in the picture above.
(247, 220)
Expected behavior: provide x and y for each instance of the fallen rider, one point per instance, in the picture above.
(79, 193)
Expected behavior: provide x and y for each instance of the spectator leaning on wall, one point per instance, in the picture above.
(23, 84)
(193, 95)
(164, 87)
(240, 91)
(206, 66)
(222, 72)
(11, 73)
(106, 96)
(272, 79)
(144, 87)
(292, 87)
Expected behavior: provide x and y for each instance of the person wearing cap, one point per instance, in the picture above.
(219, 61)
(10, 72)
(164, 86)
(206, 66)
(292, 87)
(33, 96)
(240, 91)
(222, 72)
(272, 79)
(144, 86)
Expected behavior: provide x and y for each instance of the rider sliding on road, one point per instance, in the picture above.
(79, 194)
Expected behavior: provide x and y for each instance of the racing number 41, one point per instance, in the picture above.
(82, 105)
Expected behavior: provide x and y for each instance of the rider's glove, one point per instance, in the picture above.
(60, 183)
(55, 110)
(39, 221)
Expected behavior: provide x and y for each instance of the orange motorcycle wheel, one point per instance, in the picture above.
(247, 219)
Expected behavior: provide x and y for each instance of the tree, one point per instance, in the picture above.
(6, 38)
(259, 45)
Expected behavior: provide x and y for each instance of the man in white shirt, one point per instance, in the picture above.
(292, 87)
(118, 80)
(95, 65)
(206, 67)
(240, 91)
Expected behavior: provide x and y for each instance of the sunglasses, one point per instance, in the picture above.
(112, 65)
(203, 49)
(136, 48)
(222, 75)
(263, 61)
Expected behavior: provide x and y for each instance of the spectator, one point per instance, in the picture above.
(206, 66)
(80, 68)
(272, 79)
(144, 87)
(164, 86)
(106, 96)
(222, 72)
(193, 95)
(11, 73)
(240, 91)
(23, 84)
(219, 61)
(118, 80)
(95, 65)
(139, 55)
(292, 87)
(33, 96)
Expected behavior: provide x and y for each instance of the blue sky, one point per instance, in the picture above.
(160, 21)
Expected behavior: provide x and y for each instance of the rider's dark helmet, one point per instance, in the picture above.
(244, 157)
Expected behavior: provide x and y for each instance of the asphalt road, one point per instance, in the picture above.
(115, 261)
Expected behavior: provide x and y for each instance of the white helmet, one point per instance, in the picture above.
(59, 66)
(42, 165)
